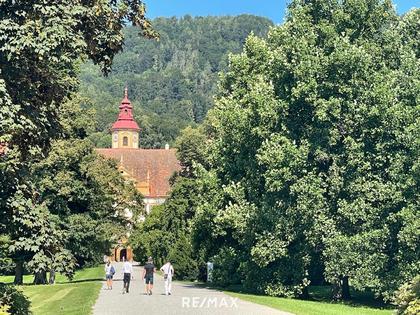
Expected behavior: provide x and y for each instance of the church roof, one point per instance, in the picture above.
(125, 117)
(154, 166)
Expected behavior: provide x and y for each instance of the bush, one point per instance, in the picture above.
(226, 265)
(12, 301)
(407, 297)
(181, 258)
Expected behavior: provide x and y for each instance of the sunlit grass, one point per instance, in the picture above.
(65, 297)
(320, 303)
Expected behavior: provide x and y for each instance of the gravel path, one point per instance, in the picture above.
(186, 299)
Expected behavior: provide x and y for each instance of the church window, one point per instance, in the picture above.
(125, 141)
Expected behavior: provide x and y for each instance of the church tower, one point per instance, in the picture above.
(125, 131)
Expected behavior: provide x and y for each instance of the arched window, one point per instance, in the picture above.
(125, 141)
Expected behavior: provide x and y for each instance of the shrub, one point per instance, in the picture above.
(13, 301)
(226, 265)
(180, 256)
(407, 297)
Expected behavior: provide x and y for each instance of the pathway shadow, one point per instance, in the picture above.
(80, 281)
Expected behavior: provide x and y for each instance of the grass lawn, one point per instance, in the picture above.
(320, 303)
(76, 297)
(362, 303)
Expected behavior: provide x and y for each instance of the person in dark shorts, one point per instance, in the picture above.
(109, 274)
(148, 271)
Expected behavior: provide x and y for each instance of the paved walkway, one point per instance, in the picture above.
(186, 299)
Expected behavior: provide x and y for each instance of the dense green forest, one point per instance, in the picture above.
(171, 81)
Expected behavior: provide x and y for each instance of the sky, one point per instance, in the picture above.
(272, 9)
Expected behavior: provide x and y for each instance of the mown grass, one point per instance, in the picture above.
(65, 297)
(320, 303)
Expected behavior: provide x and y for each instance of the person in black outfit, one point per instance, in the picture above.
(148, 271)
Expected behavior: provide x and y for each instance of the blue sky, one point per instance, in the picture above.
(273, 9)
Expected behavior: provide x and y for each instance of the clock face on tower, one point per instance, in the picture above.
(115, 137)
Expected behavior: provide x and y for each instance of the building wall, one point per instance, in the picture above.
(121, 250)
(150, 202)
(118, 139)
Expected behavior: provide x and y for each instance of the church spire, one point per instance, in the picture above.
(125, 130)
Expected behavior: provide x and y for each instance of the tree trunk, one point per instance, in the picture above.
(345, 289)
(341, 289)
(18, 272)
(40, 277)
(52, 276)
(305, 293)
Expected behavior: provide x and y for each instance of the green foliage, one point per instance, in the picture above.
(190, 149)
(181, 256)
(226, 264)
(40, 241)
(6, 264)
(149, 239)
(310, 157)
(171, 82)
(13, 301)
(39, 71)
(407, 298)
(165, 232)
(78, 204)
(42, 45)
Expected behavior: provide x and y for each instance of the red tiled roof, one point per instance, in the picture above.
(160, 164)
(125, 117)
(125, 124)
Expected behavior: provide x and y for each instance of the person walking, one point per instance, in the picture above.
(168, 272)
(148, 272)
(127, 275)
(109, 274)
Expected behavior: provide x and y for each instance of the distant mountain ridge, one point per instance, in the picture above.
(172, 81)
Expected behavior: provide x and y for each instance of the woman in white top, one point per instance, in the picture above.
(109, 273)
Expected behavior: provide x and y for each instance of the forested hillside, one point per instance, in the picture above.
(172, 81)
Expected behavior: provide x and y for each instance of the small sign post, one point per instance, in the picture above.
(209, 271)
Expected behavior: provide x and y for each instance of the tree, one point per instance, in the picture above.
(172, 81)
(166, 232)
(78, 207)
(42, 44)
(312, 142)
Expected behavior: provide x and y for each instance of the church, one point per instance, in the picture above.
(149, 169)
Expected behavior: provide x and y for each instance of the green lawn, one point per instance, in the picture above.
(76, 297)
(363, 304)
(320, 303)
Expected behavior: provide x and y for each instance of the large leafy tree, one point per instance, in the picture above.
(166, 232)
(314, 139)
(79, 205)
(42, 44)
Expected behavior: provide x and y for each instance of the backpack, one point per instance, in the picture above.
(112, 270)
